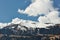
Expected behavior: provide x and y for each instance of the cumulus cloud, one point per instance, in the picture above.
(43, 19)
(16, 21)
(52, 17)
(38, 7)
(3, 25)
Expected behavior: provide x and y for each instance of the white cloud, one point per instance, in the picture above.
(3, 25)
(20, 11)
(43, 19)
(52, 17)
(38, 7)
(43, 25)
(16, 21)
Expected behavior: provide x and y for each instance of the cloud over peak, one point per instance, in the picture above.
(38, 7)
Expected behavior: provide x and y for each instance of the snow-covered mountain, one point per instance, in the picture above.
(19, 29)
(37, 7)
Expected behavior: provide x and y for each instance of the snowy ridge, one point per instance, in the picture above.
(26, 23)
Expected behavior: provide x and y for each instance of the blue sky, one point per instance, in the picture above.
(9, 8)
